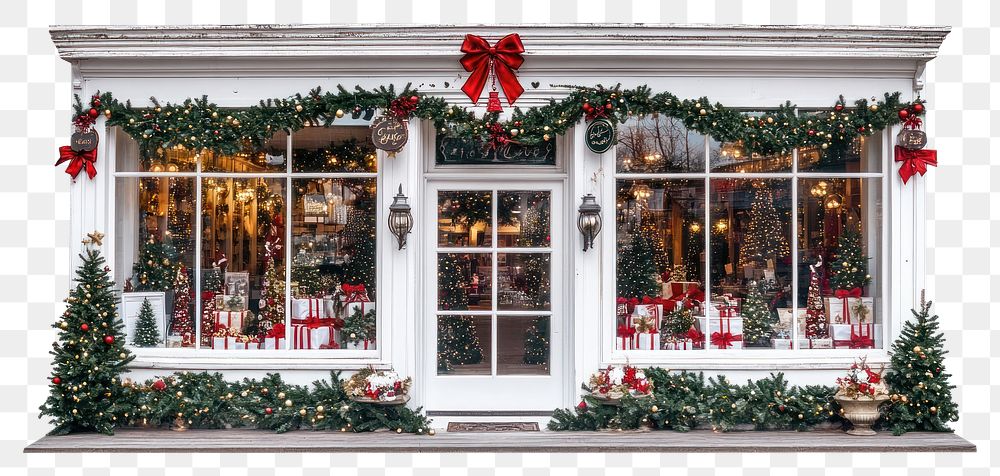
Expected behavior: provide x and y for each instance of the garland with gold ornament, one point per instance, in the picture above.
(199, 124)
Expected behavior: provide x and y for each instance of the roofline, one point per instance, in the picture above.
(919, 43)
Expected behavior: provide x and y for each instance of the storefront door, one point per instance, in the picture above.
(493, 320)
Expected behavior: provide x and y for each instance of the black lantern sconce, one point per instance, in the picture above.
(589, 221)
(400, 218)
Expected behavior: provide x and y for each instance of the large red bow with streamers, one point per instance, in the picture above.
(861, 342)
(354, 292)
(847, 293)
(695, 335)
(78, 161)
(724, 340)
(503, 58)
(914, 161)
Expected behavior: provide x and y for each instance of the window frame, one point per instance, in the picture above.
(708, 358)
(202, 357)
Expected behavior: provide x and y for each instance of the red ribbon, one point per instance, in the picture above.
(78, 161)
(503, 58)
(912, 122)
(354, 292)
(914, 161)
(724, 340)
(695, 335)
(861, 342)
(844, 295)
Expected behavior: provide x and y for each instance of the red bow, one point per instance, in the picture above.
(278, 331)
(844, 293)
(912, 122)
(695, 335)
(503, 58)
(914, 161)
(626, 331)
(861, 342)
(354, 292)
(724, 340)
(77, 161)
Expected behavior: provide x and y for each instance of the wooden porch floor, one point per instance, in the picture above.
(699, 441)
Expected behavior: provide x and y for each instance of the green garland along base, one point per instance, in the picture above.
(201, 125)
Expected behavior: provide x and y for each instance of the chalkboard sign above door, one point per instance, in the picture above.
(459, 151)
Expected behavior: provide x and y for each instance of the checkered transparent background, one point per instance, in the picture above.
(963, 208)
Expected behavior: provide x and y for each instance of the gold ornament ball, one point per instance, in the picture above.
(320, 409)
(180, 394)
(546, 137)
(302, 412)
(429, 432)
(514, 132)
(281, 395)
(654, 409)
(107, 113)
(399, 430)
(288, 403)
(340, 113)
(824, 145)
(149, 263)
(917, 349)
(298, 108)
(933, 410)
(873, 108)
(702, 112)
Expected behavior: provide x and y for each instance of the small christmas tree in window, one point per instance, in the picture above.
(849, 268)
(816, 325)
(272, 289)
(147, 333)
(921, 394)
(85, 393)
(182, 323)
(758, 320)
(536, 342)
(765, 234)
(637, 269)
(156, 266)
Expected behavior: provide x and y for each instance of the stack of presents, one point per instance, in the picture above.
(652, 323)
(316, 323)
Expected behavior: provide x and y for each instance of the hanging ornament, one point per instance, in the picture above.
(910, 143)
(497, 62)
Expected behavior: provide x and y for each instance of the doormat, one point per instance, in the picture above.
(491, 427)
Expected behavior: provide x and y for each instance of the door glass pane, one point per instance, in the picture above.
(659, 144)
(464, 282)
(333, 245)
(839, 233)
(271, 156)
(523, 219)
(523, 345)
(242, 257)
(465, 218)
(333, 149)
(751, 270)
(464, 345)
(523, 281)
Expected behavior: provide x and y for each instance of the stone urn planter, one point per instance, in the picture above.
(862, 412)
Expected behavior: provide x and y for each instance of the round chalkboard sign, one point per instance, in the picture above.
(83, 141)
(911, 139)
(601, 135)
(389, 133)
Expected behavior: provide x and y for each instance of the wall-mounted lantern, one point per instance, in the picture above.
(400, 218)
(589, 221)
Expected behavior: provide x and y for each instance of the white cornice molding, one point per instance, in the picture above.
(919, 43)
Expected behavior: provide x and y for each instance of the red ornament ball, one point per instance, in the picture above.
(109, 340)
(903, 114)
(414, 98)
(838, 107)
(96, 102)
(811, 132)
(781, 408)
(608, 106)
(159, 385)
(84, 327)
(918, 108)
(587, 107)
(92, 112)
(268, 410)
(56, 380)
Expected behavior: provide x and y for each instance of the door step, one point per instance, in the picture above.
(491, 426)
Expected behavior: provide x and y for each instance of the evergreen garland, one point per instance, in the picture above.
(147, 333)
(199, 124)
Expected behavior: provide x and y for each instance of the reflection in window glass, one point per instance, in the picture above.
(465, 218)
(732, 157)
(659, 144)
(465, 282)
(750, 251)
(333, 149)
(464, 345)
(271, 156)
(333, 262)
(838, 288)
(863, 154)
(243, 232)
(524, 219)
(523, 345)
(155, 256)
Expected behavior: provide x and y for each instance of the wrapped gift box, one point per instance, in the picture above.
(231, 302)
(625, 337)
(786, 319)
(803, 343)
(231, 319)
(243, 343)
(647, 341)
(856, 336)
(275, 338)
(359, 344)
(725, 332)
(858, 310)
(174, 342)
(309, 308)
(651, 313)
(313, 334)
(678, 344)
(677, 288)
(351, 306)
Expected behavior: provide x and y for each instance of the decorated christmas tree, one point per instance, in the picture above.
(758, 320)
(921, 393)
(535, 232)
(90, 354)
(816, 325)
(536, 342)
(458, 343)
(272, 288)
(182, 322)
(359, 326)
(765, 234)
(360, 237)
(156, 266)
(849, 268)
(637, 269)
(147, 333)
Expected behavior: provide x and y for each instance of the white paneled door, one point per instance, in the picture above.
(494, 312)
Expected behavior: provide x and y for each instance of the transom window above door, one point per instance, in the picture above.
(494, 282)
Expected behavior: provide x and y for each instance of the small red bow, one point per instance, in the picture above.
(503, 58)
(861, 342)
(724, 340)
(914, 161)
(695, 335)
(278, 330)
(78, 161)
(912, 121)
(845, 293)
(626, 331)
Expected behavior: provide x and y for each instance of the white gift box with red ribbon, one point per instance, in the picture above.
(231, 319)
(850, 310)
(308, 308)
(725, 332)
(312, 334)
(856, 336)
(780, 343)
(364, 344)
